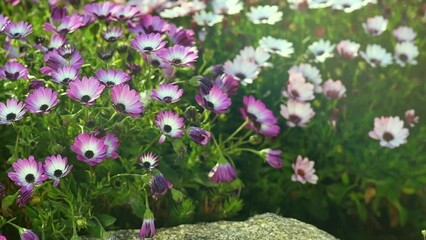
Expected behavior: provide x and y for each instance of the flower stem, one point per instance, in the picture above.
(237, 131)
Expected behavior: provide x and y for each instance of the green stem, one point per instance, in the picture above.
(237, 131)
(126, 175)
(247, 150)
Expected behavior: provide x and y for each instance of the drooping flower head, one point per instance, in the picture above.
(297, 113)
(375, 25)
(149, 161)
(27, 173)
(147, 43)
(112, 143)
(281, 47)
(159, 185)
(85, 91)
(65, 74)
(89, 148)
(18, 30)
(56, 167)
(267, 14)
(12, 111)
(42, 100)
(199, 136)
(304, 171)
(376, 56)
(348, 49)
(170, 124)
(168, 93)
(272, 157)
(112, 77)
(13, 71)
(113, 34)
(222, 172)
(334, 89)
(390, 131)
(298, 89)
(27, 234)
(321, 50)
(126, 101)
(216, 100)
(148, 227)
(179, 56)
(261, 119)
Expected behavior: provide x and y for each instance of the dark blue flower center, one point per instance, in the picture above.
(241, 76)
(120, 107)
(167, 128)
(167, 99)
(403, 57)
(176, 61)
(11, 75)
(294, 119)
(155, 63)
(146, 165)
(148, 49)
(30, 178)
(89, 154)
(57, 173)
(44, 107)
(85, 98)
(110, 83)
(387, 136)
(10, 116)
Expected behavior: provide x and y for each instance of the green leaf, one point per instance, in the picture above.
(106, 220)
(8, 201)
(138, 207)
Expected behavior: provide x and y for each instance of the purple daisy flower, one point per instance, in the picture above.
(89, 148)
(170, 124)
(149, 161)
(147, 229)
(112, 143)
(27, 234)
(56, 41)
(168, 93)
(68, 24)
(126, 100)
(64, 56)
(4, 21)
(42, 100)
(181, 36)
(34, 84)
(18, 30)
(149, 24)
(179, 56)
(147, 43)
(11, 111)
(55, 167)
(125, 12)
(58, 13)
(13, 71)
(159, 185)
(199, 136)
(86, 90)
(113, 34)
(262, 120)
(216, 100)
(222, 172)
(227, 83)
(272, 157)
(23, 197)
(65, 74)
(112, 77)
(27, 173)
(103, 10)
(155, 60)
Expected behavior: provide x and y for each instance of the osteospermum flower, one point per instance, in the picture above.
(27, 234)
(227, 83)
(68, 24)
(272, 157)
(89, 148)
(181, 36)
(311, 74)
(257, 56)
(298, 89)
(229, 7)
(216, 100)
(41, 100)
(149, 161)
(148, 227)
(111, 141)
(4, 21)
(281, 47)
(322, 50)
(222, 172)
(102, 10)
(390, 131)
(266, 14)
(27, 173)
(376, 56)
(56, 41)
(66, 55)
(334, 89)
(375, 25)
(297, 113)
(404, 34)
(410, 118)
(56, 167)
(147, 43)
(126, 101)
(86, 90)
(405, 53)
(159, 185)
(347, 6)
(65, 74)
(199, 136)
(304, 171)
(168, 93)
(242, 70)
(204, 18)
(13, 71)
(125, 12)
(18, 30)
(12, 111)
(261, 119)
(113, 34)
(170, 124)
(112, 77)
(179, 56)
(348, 49)
(313, 4)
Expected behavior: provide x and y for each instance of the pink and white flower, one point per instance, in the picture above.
(348, 49)
(112, 143)
(222, 172)
(41, 100)
(257, 56)
(65, 74)
(333, 89)
(304, 171)
(86, 90)
(147, 43)
(410, 118)
(375, 25)
(310, 73)
(376, 56)
(112, 77)
(12, 111)
(170, 124)
(242, 70)
(298, 89)
(126, 100)
(179, 56)
(27, 173)
(89, 148)
(149, 161)
(13, 71)
(215, 100)
(404, 34)
(56, 167)
(272, 157)
(390, 131)
(297, 113)
(261, 119)
(168, 93)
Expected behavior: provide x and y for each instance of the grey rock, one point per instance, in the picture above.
(266, 226)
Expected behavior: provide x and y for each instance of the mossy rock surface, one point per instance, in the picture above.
(265, 226)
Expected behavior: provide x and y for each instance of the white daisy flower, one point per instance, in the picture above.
(405, 53)
(229, 7)
(390, 131)
(204, 18)
(376, 56)
(347, 6)
(257, 56)
(242, 70)
(281, 47)
(404, 34)
(310, 72)
(322, 50)
(375, 25)
(319, 3)
(266, 14)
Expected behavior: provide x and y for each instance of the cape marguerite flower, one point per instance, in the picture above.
(297, 113)
(267, 14)
(405, 53)
(375, 25)
(281, 47)
(304, 171)
(390, 131)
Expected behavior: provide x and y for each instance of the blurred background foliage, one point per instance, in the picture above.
(364, 191)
